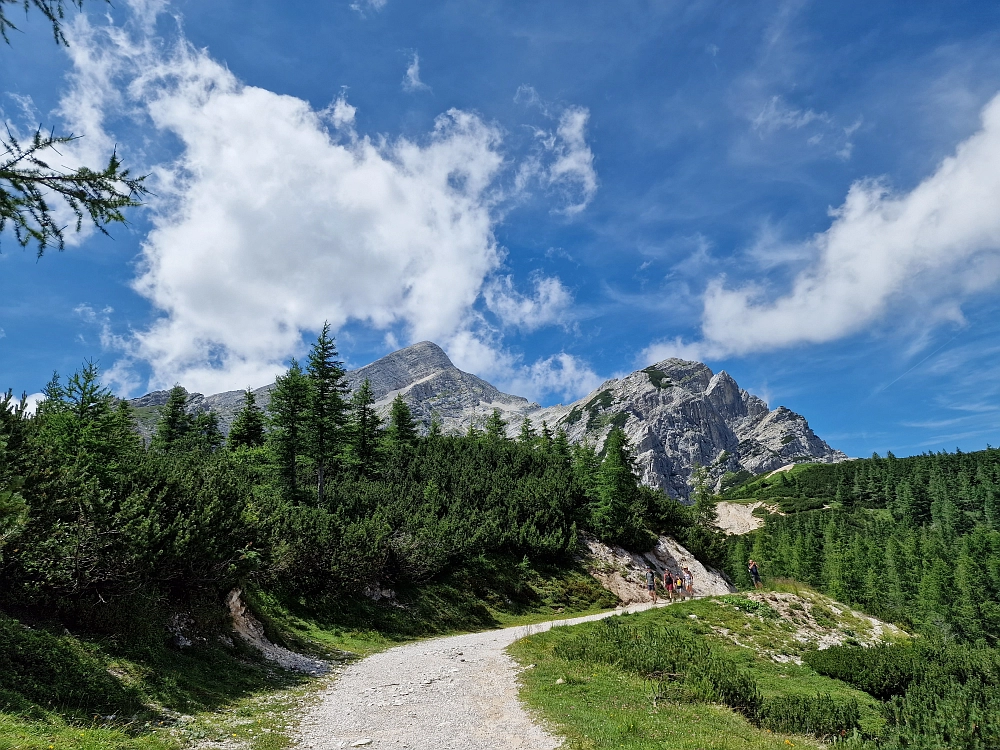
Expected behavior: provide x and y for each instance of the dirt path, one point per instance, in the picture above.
(458, 693)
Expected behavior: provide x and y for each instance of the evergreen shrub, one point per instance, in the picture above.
(819, 715)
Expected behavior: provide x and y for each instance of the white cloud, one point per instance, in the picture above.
(360, 6)
(33, 401)
(549, 304)
(827, 134)
(3, 333)
(563, 375)
(695, 351)
(573, 168)
(777, 115)
(340, 113)
(266, 224)
(917, 255)
(411, 81)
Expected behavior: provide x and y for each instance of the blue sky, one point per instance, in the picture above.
(803, 194)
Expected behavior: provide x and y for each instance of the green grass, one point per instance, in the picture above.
(603, 706)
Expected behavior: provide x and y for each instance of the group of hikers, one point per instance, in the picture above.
(681, 584)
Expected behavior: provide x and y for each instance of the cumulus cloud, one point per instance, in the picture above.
(920, 254)
(275, 216)
(341, 114)
(562, 375)
(411, 81)
(549, 304)
(267, 224)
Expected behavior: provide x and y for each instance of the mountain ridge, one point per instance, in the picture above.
(677, 414)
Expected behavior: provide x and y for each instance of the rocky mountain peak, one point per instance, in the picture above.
(403, 368)
(676, 413)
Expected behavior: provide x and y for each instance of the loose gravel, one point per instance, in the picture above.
(458, 693)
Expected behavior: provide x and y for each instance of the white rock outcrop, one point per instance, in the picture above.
(623, 573)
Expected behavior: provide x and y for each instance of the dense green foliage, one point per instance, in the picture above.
(317, 498)
(670, 653)
(937, 695)
(913, 540)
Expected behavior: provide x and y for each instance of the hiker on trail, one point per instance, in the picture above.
(651, 582)
(689, 583)
(668, 584)
(754, 574)
(679, 587)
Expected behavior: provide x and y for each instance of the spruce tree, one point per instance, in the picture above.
(327, 412)
(705, 514)
(205, 432)
(560, 446)
(546, 436)
(173, 431)
(247, 430)
(402, 428)
(365, 434)
(585, 463)
(496, 427)
(527, 435)
(614, 516)
(287, 414)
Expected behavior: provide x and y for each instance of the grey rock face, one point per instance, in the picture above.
(677, 414)
(434, 388)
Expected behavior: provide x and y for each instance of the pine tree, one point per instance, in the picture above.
(546, 436)
(402, 428)
(173, 431)
(615, 516)
(435, 429)
(560, 445)
(288, 414)
(247, 430)
(496, 427)
(706, 515)
(205, 432)
(364, 430)
(991, 504)
(528, 434)
(327, 413)
(585, 464)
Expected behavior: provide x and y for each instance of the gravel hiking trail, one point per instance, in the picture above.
(458, 692)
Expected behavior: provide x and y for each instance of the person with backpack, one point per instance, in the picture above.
(668, 584)
(651, 582)
(754, 573)
(689, 583)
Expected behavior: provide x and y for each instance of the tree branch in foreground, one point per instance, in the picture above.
(27, 183)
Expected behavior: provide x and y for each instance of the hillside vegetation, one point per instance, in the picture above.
(912, 540)
(723, 673)
(344, 533)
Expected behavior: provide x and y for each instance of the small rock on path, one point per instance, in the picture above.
(458, 692)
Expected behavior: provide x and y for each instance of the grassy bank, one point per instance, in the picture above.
(62, 690)
(603, 696)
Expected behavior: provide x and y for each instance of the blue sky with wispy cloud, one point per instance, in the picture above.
(803, 194)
